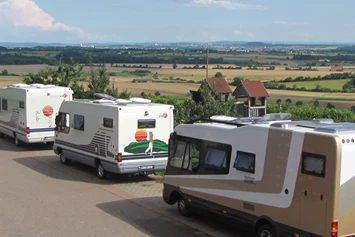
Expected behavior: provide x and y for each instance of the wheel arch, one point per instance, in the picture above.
(174, 197)
(265, 220)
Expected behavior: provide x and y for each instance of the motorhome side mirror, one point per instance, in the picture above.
(57, 119)
(173, 135)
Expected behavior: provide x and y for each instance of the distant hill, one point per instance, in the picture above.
(171, 44)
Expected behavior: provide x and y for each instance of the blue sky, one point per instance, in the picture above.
(127, 21)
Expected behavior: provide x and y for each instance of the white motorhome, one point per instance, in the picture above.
(27, 112)
(281, 178)
(115, 135)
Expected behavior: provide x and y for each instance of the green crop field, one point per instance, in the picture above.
(332, 84)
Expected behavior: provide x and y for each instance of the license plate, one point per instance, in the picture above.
(147, 167)
(48, 138)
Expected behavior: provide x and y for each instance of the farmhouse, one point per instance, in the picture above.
(336, 68)
(256, 95)
(220, 85)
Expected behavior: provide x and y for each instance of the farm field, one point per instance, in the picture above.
(192, 74)
(332, 84)
(123, 81)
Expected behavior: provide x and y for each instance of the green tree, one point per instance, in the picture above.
(63, 74)
(316, 103)
(218, 75)
(288, 101)
(157, 93)
(279, 101)
(330, 106)
(98, 79)
(299, 103)
(5, 72)
(236, 81)
(125, 94)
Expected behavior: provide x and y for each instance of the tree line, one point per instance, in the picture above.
(333, 58)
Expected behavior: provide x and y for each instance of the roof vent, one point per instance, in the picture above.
(20, 85)
(140, 100)
(37, 85)
(102, 101)
(49, 86)
(324, 120)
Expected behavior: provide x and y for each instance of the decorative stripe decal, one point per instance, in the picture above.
(41, 130)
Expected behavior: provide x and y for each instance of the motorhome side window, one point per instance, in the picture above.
(245, 162)
(21, 104)
(186, 155)
(78, 122)
(108, 123)
(217, 160)
(63, 122)
(4, 104)
(313, 164)
(146, 123)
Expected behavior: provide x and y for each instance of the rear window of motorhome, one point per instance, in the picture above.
(245, 162)
(108, 123)
(313, 164)
(146, 123)
(78, 122)
(4, 104)
(22, 104)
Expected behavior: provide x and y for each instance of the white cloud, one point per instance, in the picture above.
(223, 3)
(26, 13)
(208, 35)
(289, 23)
(239, 33)
(250, 34)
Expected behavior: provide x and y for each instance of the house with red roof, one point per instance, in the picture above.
(254, 96)
(336, 68)
(220, 85)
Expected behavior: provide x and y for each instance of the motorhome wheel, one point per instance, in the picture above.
(17, 141)
(63, 159)
(183, 209)
(266, 231)
(101, 172)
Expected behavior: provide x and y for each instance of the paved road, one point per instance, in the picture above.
(41, 197)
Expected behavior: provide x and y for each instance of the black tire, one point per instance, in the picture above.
(265, 231)
(17, 141)
(100, 170)
(183, 207)
(63, 159)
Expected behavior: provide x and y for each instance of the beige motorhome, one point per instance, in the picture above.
(281, 178)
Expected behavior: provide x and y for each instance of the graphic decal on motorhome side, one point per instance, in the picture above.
(48, 111)
(13, 124)
(99, 145)
(145, 143)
